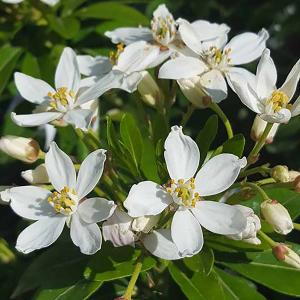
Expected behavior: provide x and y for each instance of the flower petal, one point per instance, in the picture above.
(86, 236)
(94, 210)
(219, 217)
(129, 35)
(90, 172)
(40, 234)
(295, 110)
(186, 233)
(291, 82)
(218, 174)
(32, 89)
(181, 154)
(266, 75)
(94, 66)
(147, 198)
(282, 116)
(182, 67)
(30, 202)
(60, 168)
(38, 119)
(214, 85)
(67, 72)
(247, 46)
(79, 118)
(160, 244)
(248, 76)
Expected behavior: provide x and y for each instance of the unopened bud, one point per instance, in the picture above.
(296, 184)
(192, 90)
(280, 173)
(25, 149)
(144, 224)
(277, 216)
(293, 175)
(283, 253)
(149, 90)
(36, 176)
(258, 128)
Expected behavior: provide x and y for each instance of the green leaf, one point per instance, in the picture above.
(113, 263)
(8, 60)
(186, 285)
(237, 288)
(201, 262)
(235, 145)
(111, 135)
(67, 27)
(30, 65)
(81, 290)
(110, 10)
(266, 270)
(148, 162)
(207, 135)
(132, 138)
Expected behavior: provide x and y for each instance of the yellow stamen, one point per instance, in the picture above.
(114, 55)
(279, 100)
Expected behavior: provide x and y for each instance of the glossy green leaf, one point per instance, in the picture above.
(67, 27)
(235, 145)
(237, 288)
(114, 11)
(113, 263)
(206, 136)
(186, 285)
(8, 59)
(132, 138)
(30, 65)
(81, 290)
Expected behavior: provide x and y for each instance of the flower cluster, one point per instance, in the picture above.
(170, 218)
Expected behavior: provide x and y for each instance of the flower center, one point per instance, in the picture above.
(61, 98)
(163, 29)
(64, 202)
(216, 58)
(183, 193)
(114, 55)
(278, 100)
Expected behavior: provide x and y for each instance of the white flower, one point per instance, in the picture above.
(25, 149)
(277, 216)
(62, 104)
(67, 205)
(48, 2)
(258, 128)
(36, 176)
(248, 235)
(149, 47)
(185, 193)
(213, 59)
(261, 95)
(284, 253)
(4, 194)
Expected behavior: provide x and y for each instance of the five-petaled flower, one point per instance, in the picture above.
(185, 192)
(67, 205)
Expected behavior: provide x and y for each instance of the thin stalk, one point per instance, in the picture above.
(256, 188)
(133, 279)
(187, 115)
(296, 226)
(261, 170)
(267, 239)
(217, 109)
(265, 181)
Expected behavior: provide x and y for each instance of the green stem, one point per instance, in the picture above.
(41, 155)
(265, 181)
(187, 115)
(99, 192)
(217, 109)
(133, 279)
(256, 188)
(264, 169)
(259, 145)
(296, 226)
(267, 239)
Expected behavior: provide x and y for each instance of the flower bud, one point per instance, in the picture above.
(149, 90)
(293, 175)
(192, 90)
(296, 184)
(144, 224)
(117, 229)
(283, 253)
(4, 194)
(280, 173)
(277, 216)
(258, 128)
(25, 149)
(36, 176)
(248, 235)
